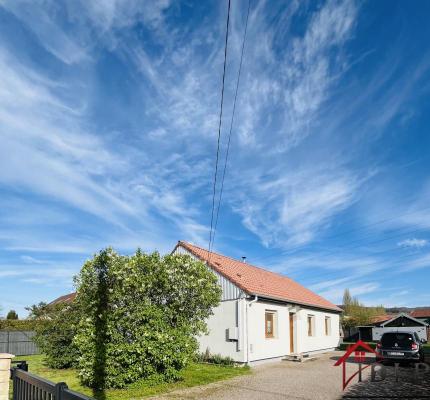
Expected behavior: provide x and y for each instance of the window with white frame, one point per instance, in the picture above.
(270, 320)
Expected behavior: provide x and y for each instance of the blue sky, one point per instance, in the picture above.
(108, 124)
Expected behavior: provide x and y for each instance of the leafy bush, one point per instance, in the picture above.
(345, 345)
(140, 316)
(55, 329)
(214, 358)
(19, 324)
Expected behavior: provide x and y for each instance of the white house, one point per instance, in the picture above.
(264, 315)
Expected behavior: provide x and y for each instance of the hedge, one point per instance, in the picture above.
(345, 345)
(20, 324)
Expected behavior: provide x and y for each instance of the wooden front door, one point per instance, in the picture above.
(291, 333)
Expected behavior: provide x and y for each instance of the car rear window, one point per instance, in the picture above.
(402, 339)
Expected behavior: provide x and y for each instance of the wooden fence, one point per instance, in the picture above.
(19, 343)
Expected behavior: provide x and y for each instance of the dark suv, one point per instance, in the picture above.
(400, 346)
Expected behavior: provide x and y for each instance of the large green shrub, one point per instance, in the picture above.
(141, 315)
(55, 329)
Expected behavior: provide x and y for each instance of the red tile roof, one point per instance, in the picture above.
(257, 281)
(379, 319)
(423, 313)
(67, 298)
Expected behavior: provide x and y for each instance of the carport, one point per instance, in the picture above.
(401, 323)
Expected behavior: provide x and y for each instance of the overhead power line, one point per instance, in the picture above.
(219, 128)
(231, 123)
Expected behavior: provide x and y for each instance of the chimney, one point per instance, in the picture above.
(244, 259)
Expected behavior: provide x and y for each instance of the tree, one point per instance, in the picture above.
(12, 315)
(356, 314)
(347, 299)
(38, 311)
(55, 332)
(141, 315)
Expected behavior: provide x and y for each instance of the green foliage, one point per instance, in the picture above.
(344, 346)
(18, 325)
(356, 314)
(347, 298)
(141, 315)
(207, 357)
(12, 315)
(38, 311)
(55, 331)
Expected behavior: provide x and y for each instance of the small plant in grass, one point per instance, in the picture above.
(207, 357)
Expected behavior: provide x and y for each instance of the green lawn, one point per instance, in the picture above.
(194, 375)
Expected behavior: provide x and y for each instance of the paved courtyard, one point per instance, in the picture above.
(317, 379)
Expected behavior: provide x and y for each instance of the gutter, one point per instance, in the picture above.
(283, 300)
(248, 304)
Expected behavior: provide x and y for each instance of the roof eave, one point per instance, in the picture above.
(285, 300)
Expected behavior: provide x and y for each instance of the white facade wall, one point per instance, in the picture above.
(259, 346)
(228, 315)
(320, 341)
(252, 336)
(378, 331)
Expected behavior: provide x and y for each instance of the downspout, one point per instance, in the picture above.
(247, 323)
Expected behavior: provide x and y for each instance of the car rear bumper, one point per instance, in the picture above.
(405, 356)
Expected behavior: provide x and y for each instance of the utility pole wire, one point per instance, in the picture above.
(231, 122)
(219, 129)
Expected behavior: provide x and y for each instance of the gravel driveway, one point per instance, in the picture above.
(312, 380)
(316, 379)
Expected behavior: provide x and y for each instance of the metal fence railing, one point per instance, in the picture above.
(19, 343)
(27, 386)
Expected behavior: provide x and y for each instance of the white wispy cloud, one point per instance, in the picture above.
(286, 181)
(416, 243)
(291, 209)
(50, 35)
(31, 260)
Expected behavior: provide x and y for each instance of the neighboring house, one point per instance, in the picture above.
(264, 315)
(422, 314)
(393, 323)
(67, 298)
